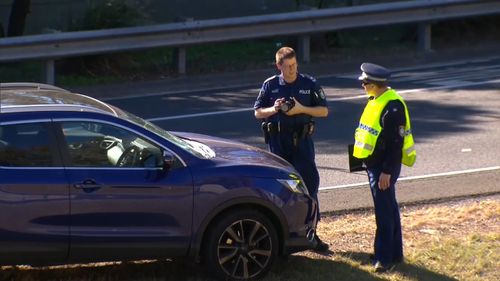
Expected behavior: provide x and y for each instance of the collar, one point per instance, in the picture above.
(282, 81)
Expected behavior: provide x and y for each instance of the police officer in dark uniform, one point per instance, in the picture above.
(288, 102)
(379, 143)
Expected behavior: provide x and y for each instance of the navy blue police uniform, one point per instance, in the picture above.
(386, 158)
(291, 136)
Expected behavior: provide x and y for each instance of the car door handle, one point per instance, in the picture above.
(87, 185)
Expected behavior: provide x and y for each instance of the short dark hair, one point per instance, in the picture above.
(284, 53)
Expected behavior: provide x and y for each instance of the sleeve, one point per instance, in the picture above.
(318, 96)
(262, 97)
(393, 121)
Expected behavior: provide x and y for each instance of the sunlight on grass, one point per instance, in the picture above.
(475, 257)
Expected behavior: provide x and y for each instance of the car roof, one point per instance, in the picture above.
(28, 97)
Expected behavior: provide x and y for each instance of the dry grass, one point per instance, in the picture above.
(449, 241)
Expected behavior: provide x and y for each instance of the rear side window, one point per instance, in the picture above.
(25, 145)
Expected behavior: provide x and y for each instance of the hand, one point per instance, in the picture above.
(277, 104)
(296, 109)
(384, 181)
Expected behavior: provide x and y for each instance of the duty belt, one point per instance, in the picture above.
(297, 132)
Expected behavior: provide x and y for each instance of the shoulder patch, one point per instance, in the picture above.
(321, 93)
(402, 131)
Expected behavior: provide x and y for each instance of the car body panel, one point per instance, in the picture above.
(34, 215)
(140, 211)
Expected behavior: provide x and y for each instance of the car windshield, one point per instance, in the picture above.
(197, 149)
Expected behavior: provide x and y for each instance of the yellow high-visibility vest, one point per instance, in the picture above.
(369, 129)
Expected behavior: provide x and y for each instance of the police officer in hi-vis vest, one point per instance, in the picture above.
(288, 102)
(383, 140)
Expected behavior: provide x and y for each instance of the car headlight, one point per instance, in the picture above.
(295, 184)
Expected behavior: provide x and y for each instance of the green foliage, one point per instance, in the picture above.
(79, 80)
(372, 37)
(231, 56)
(106, 14)
(466, 31)
(113, 14)
(29, 71)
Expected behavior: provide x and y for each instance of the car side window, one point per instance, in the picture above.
(25, 145)
(92, 144)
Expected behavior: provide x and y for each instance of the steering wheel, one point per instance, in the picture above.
(130, 157)
(108, 142)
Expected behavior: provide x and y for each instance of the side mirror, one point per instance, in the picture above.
(169, 161)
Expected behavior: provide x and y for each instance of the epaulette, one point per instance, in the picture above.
(309, 77)
(269, 79)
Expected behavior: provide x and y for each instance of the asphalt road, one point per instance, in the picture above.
(455, 111)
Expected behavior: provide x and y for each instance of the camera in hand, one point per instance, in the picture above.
(287, 105)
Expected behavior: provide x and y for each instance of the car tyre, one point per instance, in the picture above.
(241, 245)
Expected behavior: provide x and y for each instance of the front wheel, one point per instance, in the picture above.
(241, 245)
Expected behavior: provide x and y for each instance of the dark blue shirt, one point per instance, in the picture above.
(304, 89)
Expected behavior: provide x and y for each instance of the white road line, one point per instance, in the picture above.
(458, 85)
(419, 67)
(470, 171)
(199, 114)
(166, 93)
(465, 73)
(244, 85)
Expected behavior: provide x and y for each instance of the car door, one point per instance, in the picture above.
(34, 195)
(124, 203)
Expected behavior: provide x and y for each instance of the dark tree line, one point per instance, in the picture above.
(17, 20)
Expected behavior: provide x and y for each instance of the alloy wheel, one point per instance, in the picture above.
(244, 249)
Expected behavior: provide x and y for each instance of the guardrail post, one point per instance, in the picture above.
(180, 60)
(49, 72)
(304, 40)
(304, 48)
(424, 37)
(181, 52)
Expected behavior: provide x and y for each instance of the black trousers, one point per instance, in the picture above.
(301, 155)
(388, 242)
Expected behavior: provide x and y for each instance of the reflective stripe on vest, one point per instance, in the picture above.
(369, 129)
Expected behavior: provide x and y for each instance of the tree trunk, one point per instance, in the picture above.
(17, 20)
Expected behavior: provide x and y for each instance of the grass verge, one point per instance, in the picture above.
(447, 241)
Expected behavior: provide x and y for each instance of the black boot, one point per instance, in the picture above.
(320, 246)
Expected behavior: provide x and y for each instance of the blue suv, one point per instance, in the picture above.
(84, 181)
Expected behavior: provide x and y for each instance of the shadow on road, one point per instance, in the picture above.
(430, 121)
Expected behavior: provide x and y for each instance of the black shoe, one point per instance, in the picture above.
(381, 268)
(373, 260)
(320, 246)
(399, 260)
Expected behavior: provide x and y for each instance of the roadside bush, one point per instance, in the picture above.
(106, 14)
(466, 31)
(112, 14)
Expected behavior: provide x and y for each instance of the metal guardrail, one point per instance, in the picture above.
(70, 44)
